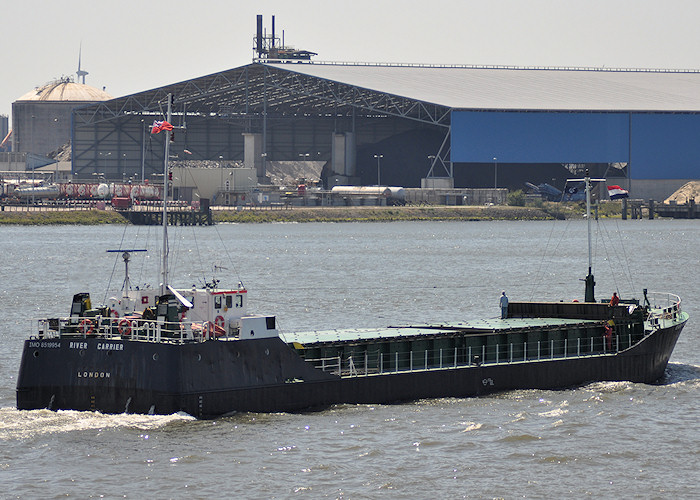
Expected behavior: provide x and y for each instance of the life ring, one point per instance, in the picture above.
(86, 326)
(219, 321)
(114, 313)
(124, 327)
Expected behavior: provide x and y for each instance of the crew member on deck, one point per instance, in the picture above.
(504, 305)
(615, 300)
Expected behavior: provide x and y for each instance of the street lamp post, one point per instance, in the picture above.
(431, 159)
(143, 151)
(379, 175)
(105, 155)
(495, 172)
(262, 172)
(221, 179)
(303, 157)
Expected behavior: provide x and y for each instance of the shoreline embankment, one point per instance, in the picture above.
(310, 214)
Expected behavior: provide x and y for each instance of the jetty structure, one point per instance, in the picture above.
(177, 216)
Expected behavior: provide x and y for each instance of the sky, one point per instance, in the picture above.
(129, 46)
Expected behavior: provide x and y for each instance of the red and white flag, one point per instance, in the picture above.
(158, 126)
(617, 192)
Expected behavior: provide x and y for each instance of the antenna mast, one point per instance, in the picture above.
(164, 264)
(590, 281)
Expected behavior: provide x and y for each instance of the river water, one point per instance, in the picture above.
(601, 440)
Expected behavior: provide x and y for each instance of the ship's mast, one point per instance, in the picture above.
(164, 263)
(590, 281)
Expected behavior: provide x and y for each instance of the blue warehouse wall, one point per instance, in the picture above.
(662, 146)
(665, 146)
(539, 137)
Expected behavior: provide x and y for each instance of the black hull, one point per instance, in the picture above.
(218, 377)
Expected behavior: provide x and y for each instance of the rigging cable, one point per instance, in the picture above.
(601, 229)
(114, 268)
(194, 234)
(143, 261)
(199, 255)
(228, 255)
(175, 253)
(630, 275)
(539, 276)
(626, 272)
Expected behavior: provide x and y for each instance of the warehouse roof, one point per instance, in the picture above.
(511, 88)
(417, 92)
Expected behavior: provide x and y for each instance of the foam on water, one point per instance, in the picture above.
(677, 373)
(24, 424)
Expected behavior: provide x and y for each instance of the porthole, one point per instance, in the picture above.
(199, 357)
(267, 352)
(36, 354)
(155, 357)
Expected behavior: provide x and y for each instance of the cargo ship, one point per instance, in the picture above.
(198, 350)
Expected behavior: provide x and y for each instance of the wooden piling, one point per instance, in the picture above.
(175, 218)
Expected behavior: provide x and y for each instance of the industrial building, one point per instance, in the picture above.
(41, 119)
(411, 126)
(414, 126)
(4, 134)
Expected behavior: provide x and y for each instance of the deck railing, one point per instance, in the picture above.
(377, 363)
(124, 327)
(665, 308)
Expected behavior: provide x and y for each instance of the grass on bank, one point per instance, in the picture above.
(381, 214)
(564, 210)
(63, 217)
(537, 210)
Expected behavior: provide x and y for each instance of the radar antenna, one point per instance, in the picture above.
(126, 255)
